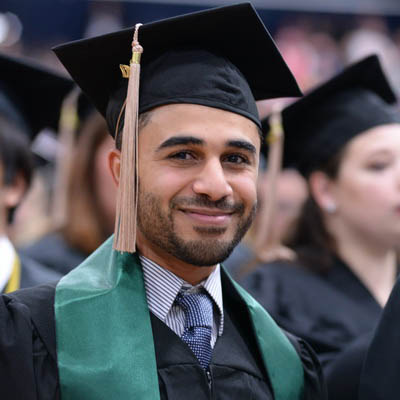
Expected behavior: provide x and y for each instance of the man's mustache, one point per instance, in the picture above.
(204, 202)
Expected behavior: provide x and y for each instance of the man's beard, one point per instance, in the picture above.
(158, 228)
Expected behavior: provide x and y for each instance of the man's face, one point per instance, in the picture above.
(197, 182)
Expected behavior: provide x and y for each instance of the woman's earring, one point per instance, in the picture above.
(330, 208)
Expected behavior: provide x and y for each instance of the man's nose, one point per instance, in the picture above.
(212, 182)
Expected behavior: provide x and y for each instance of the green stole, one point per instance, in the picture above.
(105, 346)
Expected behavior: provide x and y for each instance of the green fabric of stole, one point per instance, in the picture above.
(105, 346)
(104, 339)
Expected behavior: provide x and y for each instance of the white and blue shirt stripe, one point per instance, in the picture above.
(162, 287)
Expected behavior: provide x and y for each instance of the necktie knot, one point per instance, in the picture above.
(198, 309)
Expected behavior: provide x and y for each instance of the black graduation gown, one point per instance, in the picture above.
(343, 373)
(33, 273)
(55, 253)
(28, 355)
(328, 311)
(380, 377)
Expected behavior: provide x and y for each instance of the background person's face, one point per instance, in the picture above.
(197, 182)
(10, 196)
(367, 189)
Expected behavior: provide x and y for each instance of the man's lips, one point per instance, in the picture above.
(208, 216)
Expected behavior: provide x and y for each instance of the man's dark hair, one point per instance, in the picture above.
(144, 118)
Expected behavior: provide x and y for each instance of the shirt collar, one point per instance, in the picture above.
(8, 255)
(162, 287)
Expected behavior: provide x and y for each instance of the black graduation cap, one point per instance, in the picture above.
(223, 57)
(317, 126)
(31, 95)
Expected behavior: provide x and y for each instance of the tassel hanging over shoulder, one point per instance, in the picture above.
(126, 212)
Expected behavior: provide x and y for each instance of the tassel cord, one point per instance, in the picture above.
(126, 213)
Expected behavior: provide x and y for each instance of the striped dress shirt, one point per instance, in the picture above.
(162, 287)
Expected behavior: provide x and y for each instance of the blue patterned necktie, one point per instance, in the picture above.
(198, 309)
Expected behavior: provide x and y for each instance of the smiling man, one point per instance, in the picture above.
(158, 317)
(196, 191)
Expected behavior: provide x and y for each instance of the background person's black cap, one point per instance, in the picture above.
(317, 126)
(223, 58)
(31, 95)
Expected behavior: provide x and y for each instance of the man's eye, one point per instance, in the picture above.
(182, 155)
(237, 159)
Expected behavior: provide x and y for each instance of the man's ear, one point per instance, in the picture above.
(322, 190)
(14, 192)
(114, 163)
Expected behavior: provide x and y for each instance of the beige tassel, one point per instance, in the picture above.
(126, 213)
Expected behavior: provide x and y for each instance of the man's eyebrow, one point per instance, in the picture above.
(242, 144)
(180, 140)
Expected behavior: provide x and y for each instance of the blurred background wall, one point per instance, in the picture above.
(317, 38)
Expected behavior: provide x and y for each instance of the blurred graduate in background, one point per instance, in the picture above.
(22, 116)
(83, 201)
(344, 137)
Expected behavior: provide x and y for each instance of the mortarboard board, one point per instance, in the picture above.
(317, 126)
(31, 95)
(222, 58)
(185, 60)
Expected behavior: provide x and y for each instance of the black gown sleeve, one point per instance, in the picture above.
(380, 375)
(343, 374)
(28, 369)
(319, 309)
(314, 384)
(33, 273)
(53, 252)
(293, 299)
